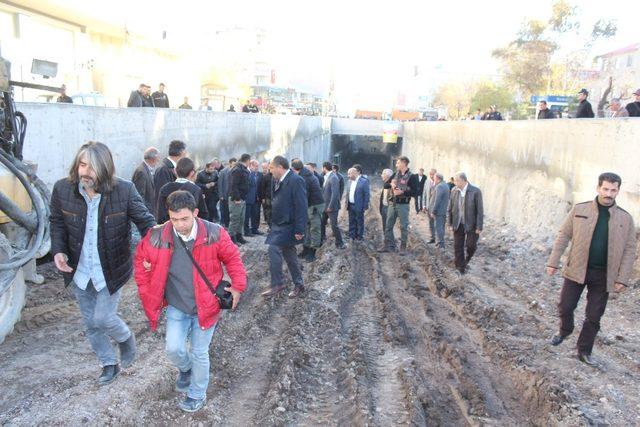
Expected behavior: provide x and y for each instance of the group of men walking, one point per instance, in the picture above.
(191, 225)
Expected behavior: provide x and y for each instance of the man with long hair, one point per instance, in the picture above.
(91, 211)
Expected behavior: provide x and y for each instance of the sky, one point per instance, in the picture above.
(369, 48)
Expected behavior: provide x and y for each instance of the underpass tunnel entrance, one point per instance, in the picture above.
(368, 151)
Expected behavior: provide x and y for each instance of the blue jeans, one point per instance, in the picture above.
(100, 315)
(180, 328)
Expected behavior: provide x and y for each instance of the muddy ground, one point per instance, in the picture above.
(379, 339)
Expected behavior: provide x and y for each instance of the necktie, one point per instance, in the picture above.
(277, 185)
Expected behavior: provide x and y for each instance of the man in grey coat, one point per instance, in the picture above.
(331, 194)
(466, 214)
(438, 206)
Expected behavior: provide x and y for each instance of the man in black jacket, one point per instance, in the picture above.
(223, 191)
(315, 208)
(264, 192)
(238, 189)
(140, 97)
(91, 212)
(313, 167)
(207, 180)
(584, 110)
(186, 171)
(545, 112)
(633, 108)
(143, 177)
(403, 185)
(160, 99)
(166, 172)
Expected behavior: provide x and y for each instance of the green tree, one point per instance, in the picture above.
(488, 93)
(528, 61)
(454, 96)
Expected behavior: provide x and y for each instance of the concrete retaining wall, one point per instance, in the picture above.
(531, 172)
(56, 131)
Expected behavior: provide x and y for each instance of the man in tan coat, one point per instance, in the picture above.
(601, 258)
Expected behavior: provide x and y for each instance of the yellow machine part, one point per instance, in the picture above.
(13, 189)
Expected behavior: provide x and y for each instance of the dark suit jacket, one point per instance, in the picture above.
(167, 189)
(473, 208)
(143, 180)
(164, 174)
(362, 195)
(331, 192)
(288, 211)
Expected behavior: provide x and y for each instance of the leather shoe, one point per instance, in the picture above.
(240, 239)
(431, 242)
(305, 251)
(248, 234)
(109, 373)
(235, 241)
(257, 233)
(311, 255)
(557, 339)
(587, 359)
(127, 351)
(274, 291)
(296, 292)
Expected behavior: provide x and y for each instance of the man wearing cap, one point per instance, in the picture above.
(584, 107)
(633, 108)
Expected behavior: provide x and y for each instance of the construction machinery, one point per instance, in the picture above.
(24, 208)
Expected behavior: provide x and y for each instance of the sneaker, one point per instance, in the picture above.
(191, 405)
(109, 373)
(184, 381)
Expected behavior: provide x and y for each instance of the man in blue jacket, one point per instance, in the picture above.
(288, 224)
(358, 195)
(252, 207)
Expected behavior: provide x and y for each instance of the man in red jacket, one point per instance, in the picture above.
(166, 277)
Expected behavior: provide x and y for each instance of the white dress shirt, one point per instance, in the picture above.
(352, 190)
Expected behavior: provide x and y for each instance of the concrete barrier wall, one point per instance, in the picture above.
(362, 127)
(531, 172)
(56, 131)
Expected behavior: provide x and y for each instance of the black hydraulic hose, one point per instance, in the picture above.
(39, 206)
(22, 124)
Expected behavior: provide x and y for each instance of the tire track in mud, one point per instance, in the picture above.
(378, 339)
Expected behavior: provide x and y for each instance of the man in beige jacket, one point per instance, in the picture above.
(601, 258)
